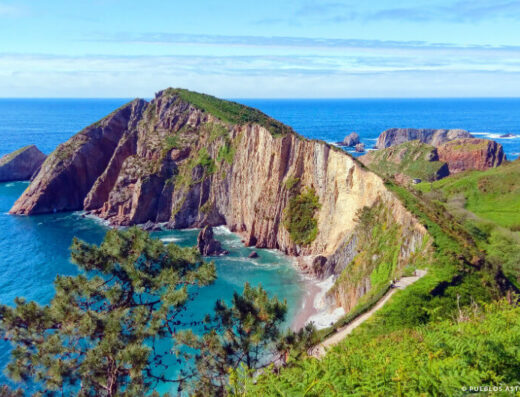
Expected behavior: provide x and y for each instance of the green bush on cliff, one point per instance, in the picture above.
(299, 217)
(226, 153)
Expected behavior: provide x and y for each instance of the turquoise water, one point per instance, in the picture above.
(33, 250)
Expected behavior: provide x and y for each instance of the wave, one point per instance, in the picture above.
(170, 239)
(494, 135)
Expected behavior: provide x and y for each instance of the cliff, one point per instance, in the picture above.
(397, 136)
(407, 161)
(471, 154)
(21, 164)
(193, 160)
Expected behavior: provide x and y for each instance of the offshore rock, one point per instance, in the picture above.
(207, 245)
(350, 140)
(21, 164)
(397, 136)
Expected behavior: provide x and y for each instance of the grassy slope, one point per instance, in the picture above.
(493, 194)
(390, 355)
(480, 347)
(409, 158)
(488, 204)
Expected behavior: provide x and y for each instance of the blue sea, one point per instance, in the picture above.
(33, 250)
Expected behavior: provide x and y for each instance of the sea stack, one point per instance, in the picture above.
(350, 140)
(21, 164)
(207, 245)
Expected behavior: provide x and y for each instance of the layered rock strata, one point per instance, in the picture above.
(193, 161)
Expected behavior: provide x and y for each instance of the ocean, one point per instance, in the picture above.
(33, 250)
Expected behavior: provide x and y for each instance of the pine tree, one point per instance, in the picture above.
(99, 334)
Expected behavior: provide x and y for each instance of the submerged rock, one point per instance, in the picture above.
(253, 254)
(397, 136)
(350, 140)
(151, 227)
(21, 164)
(207, 245)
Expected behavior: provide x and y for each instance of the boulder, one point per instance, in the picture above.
(151, 227)
(360, 147)
(207, 245)
(21, 164)
(350, 140)
(397, 136)
(253, 254)
(471, 154)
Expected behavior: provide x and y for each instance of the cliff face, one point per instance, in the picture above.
(192, 160)
(21, 164)
(471, 154)
(397, 136)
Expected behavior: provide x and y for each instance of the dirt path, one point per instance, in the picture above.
(319, 351)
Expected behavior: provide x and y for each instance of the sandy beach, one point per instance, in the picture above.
(315, 307)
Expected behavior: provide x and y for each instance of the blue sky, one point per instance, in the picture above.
(254, 49)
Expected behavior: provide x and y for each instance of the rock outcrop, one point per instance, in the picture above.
(471, 154)
(397, 136)
(351, 140)
(21, 164)
(360, 147)
(191, 160)
(207, 245)
(407, 161)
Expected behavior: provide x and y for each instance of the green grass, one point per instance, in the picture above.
(228, 111)
(410, 158)
(493, 194)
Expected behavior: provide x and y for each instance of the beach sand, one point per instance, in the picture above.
(315, 308)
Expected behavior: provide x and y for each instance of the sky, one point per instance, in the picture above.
(260, 49)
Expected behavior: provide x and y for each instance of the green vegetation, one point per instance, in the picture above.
(240, 335)
(379, 243)
(104, 332)
(493, 194)
(184, 176)
(487, 203)
(299, 217)
(291, 182)
(413, 159)
(229, 112)
(99, 334)
(480, 347)
(226, 153)
(171, 142)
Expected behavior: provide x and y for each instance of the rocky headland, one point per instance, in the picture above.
(21, 164)
(397, 136)
(192, 160)
(471, 154)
